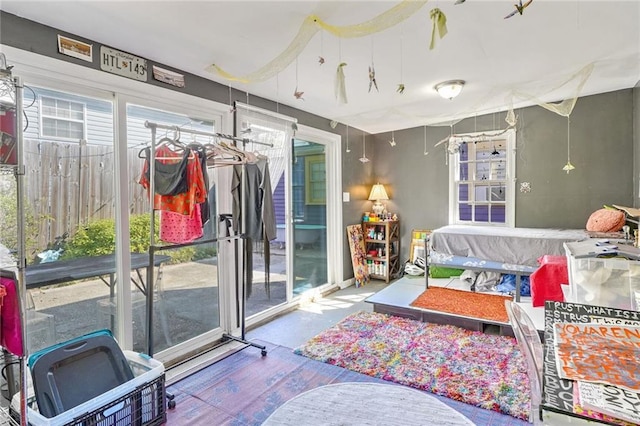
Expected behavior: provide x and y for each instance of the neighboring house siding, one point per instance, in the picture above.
(98, 117)
(279, 202)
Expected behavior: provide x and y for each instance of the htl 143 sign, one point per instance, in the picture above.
(122, 63)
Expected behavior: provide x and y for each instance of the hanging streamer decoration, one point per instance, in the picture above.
(401, 86)
(439, 26)
(340, 84)
(425, 141)
(568, 167)
(310, 26)
(364, 158)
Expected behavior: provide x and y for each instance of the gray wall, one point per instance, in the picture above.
(31, 36)
(636, 145)
(602, 143)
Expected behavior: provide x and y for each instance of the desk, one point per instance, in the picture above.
(44, 274)
(557, 393)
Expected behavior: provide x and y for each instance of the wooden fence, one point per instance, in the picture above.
(68, 185)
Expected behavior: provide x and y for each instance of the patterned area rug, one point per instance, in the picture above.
(358, 403)
(487, 371)
(465, 303)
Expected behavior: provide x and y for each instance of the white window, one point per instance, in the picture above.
(62, 118)
(482, 179)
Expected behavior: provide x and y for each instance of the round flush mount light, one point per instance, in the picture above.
(449, 89)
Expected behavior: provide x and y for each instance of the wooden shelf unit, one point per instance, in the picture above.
(384, 238)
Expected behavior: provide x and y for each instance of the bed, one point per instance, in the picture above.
(497, 249)
(518, 246)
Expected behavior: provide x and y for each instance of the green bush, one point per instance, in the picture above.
(9, 219)
(94, 239)
(98, 238)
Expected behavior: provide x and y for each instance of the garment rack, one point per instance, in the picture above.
(240, 289)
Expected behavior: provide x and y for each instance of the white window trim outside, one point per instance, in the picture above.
(42, 116)
(510, 184)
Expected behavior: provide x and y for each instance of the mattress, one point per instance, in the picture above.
(519, 246)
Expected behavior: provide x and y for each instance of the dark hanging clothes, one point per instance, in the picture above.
(170, 178)
(259, 219)
(255, 215)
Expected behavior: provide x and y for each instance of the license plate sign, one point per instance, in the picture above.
(122, 63)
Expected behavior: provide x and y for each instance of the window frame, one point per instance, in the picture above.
(42, 116)
(509, 181)
(312, 184)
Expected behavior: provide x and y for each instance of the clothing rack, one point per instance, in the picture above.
(240, 286)
(13, 86)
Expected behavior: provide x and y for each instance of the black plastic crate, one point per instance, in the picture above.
(145, 406)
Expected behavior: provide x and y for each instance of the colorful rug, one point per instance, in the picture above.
(465, 303)
(245, 388)
(484, 370)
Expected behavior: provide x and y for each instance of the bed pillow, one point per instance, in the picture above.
(606, 220)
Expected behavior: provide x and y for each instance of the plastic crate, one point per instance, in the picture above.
(602, 281)
(140, 401)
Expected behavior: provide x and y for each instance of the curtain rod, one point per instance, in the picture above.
(149, 124)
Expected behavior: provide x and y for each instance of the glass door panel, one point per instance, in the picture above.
(70, 210)
(309, 245)
(185, 278)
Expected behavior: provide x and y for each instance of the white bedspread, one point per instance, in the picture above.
(521, 246)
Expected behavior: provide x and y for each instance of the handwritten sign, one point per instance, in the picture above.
(557, 393)
(598, 353)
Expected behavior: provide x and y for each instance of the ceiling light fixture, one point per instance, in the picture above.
(449, 89)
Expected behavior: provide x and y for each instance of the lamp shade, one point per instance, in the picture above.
(450, 89)
(378, 193)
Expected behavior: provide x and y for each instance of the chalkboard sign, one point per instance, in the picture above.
(557, 393)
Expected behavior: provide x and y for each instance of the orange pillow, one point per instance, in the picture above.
(606, 220)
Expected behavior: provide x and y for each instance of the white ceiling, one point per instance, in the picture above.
(535, 53)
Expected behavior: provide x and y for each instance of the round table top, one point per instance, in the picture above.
(365, 404)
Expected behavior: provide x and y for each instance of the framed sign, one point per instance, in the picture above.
(74, 48)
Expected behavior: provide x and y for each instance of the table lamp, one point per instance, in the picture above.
(378, 193)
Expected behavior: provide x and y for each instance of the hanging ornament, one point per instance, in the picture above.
(348, 149)
(392, 142)
(372, 78)
(568, 167)
(401, 87)
(519, 8)
(297, 93)
(321, 57)
(425, 141)
(364, 158)
(341, 89)
(232, 107)
(340, 82)
(439, 25)
(372, 72)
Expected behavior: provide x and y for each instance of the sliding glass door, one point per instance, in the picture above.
(185, 291)
(309, 207)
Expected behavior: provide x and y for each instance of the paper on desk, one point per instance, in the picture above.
(600, 353)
